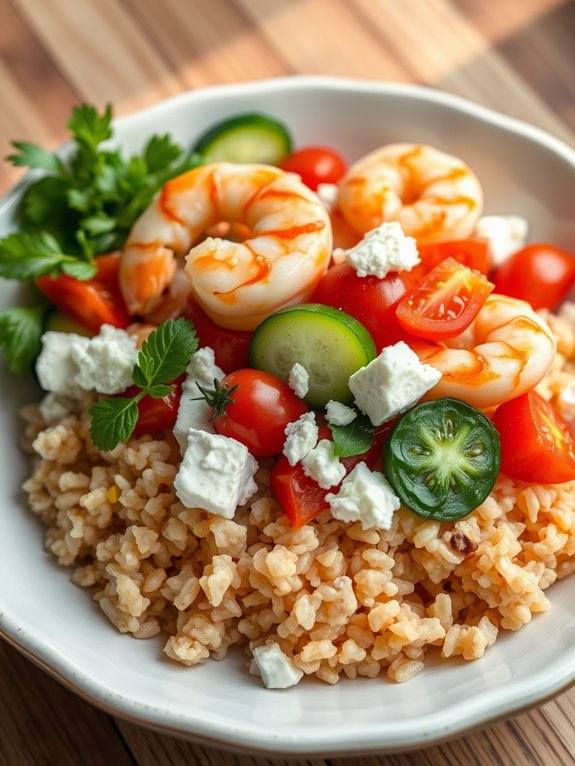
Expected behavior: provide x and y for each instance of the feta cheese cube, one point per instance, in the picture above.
(106, 362)
(55, 367)
(323, 466)
(276, 668)
(505, 233)
(298, 380)
(338, 414)
(193, 411)
(382, 250)
(391, 383)
(301, 438)
(365, 496)
(216, 474)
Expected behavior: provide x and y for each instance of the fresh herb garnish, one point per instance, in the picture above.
(163, 357)
(354, 438)
(20, 335)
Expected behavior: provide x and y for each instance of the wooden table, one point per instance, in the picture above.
(517, 56)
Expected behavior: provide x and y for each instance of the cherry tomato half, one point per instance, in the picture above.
(370, 300)
(540, 274)
(157, 414)
(301, 498)
(536, 444)
(261, 407)
(231, 347)
(316, 165)
(445, 302)
(473, 253)
(92, 302)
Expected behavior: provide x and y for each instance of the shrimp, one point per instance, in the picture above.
(434, 196)
(238, 284)
(505, 352)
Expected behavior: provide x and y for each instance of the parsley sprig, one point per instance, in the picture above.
(163, 357)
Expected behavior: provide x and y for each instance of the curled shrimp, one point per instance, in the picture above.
(434, 196)
(286, 251)
(505, 352)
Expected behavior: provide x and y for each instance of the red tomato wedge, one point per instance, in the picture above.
(473, 253)
(537, 445)
(445, 302)
(301, 498)
(370, 300)
(231, 347)
(92, 302)
(157, 414)
(540, 274)
(316, 165)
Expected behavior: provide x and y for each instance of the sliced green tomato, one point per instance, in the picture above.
(57, 321)
(442, 459)
(246, 138)
(329, 343)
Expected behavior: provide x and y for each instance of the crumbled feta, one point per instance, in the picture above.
(275, 667)
(382, 250)
(391, 383)
(505, 233)
(365, 496)
(566, 402)
(301, 438)
(216, 474)
(70, 364)
(323, 466)
(106, 362)
(298, 380)
(55, 407)
(55, 367)
(194, 411)
(328, 194)
(338, 414)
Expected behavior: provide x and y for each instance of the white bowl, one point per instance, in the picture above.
(523, 171)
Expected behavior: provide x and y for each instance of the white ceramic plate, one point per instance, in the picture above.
(524, 171)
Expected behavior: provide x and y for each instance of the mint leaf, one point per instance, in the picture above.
(165, 353)
(353, 439)
(32, 156)
(28, 256)
(113, 421)
(159, 391)
(20, 336)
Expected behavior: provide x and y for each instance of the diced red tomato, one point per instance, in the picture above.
(92, 302)
(260, 409)
(445, 302)
(372, 301)
(473, 253)
(301, 498)
(316, 165)
(231, 347)
(157, 414)
(537, 445)
(540, 274)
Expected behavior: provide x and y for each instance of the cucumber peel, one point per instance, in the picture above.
(246, 138)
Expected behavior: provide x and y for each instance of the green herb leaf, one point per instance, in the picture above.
(353, 439)
(165, 353)
(159, 391)
(32, 156)
(113, 421)
(28, 256)
(79, 269)
(160, 152)
(88, 127)
(20, 336)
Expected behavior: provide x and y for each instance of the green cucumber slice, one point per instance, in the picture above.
(246, 138)
(329, 343)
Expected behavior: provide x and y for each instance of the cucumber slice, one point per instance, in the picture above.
(246, 138)
(329, 343)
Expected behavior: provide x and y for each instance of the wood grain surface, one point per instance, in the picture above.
(517, 56)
